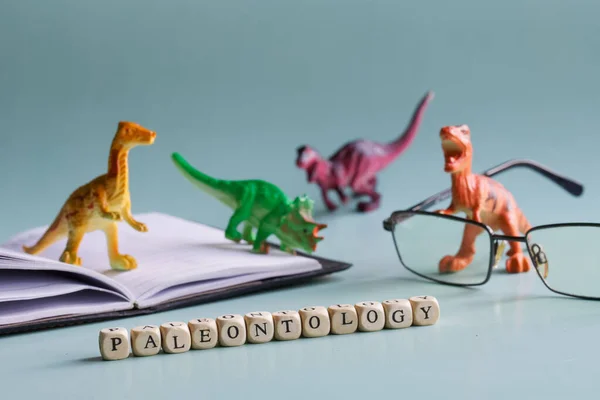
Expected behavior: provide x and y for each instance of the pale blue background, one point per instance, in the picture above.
(236, 86)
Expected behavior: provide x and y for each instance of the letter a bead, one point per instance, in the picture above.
(114, 343)
(315, 321)
(145, 340)
(371, 316)
(344, 319)
(232, 330)
(398, 313)
(426, 310)
(176, 337)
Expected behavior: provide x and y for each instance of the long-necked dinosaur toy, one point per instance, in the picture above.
(482, 199)
(356, 164)
(260, 205)
(100, 203)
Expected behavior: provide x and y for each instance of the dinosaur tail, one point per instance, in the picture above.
(402, 143)
(56, 231)
(213, 186)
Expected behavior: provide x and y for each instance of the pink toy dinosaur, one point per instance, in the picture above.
(357, 163)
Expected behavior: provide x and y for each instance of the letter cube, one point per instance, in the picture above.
(344, 319)
(371, 316)
(232, 330)
(259, 326)
(114, 343)
(398, 313)
(176, 337)
(426, 310)
(145, 340)
(204, 332)
(315, 321)
(288, 325)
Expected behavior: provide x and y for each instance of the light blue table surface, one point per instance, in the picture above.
(236, 86)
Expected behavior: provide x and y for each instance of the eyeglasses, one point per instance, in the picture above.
(457, 251)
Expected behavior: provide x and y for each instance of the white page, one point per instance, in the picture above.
(173, 252)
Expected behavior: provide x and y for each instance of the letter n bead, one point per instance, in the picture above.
(176, 337)
(315, 321)
(344, 319)
(114, 343)
(426, 310)
(371, 316)
(145, 340)
(398, 313)
(204, 333)
(232, 330)
(259, 326)
(288, 325)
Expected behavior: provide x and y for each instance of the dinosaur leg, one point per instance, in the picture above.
(465, 254)
(341, 194)
(120, 262)
(288, 249)
(265, 229)
(247, 234)
(368, 189)
(517, 261)
(328, 203)
(69, 255)
(241, 214)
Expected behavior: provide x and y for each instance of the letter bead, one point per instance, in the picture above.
(288, 325)
(232, 330)
(398, 313)
(145, 340)
(204, 333)
(426, 310)
(371, 316)
(114, 343)
(259, 326)
(344, 319)
(176, 337)
(315, 321)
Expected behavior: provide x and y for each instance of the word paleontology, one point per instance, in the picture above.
(232, 330)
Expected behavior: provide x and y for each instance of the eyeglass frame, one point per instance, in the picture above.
(570, 185)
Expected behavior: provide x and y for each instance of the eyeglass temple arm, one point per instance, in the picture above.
(570, 185)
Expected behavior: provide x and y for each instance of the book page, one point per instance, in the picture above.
(173, 252)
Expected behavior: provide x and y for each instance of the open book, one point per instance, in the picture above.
(180, 263)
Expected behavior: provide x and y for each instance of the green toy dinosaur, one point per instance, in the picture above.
(260, 205)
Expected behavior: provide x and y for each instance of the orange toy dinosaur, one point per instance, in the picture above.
(100, 203)
(482, 199)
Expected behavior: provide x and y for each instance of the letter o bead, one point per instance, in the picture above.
(145, 340)
(398, 313)
(259, 327)
(176, 337)
(315, 321)
(426, 310)
(288, 325)
(344, 319)
(232, 330)
(204, 333)
(371, 316)
(114, 343)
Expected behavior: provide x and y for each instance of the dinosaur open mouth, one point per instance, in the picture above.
(453, 152)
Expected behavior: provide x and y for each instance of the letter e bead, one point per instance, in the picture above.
(176, 337)
(232, 330)
(371, 316)
(344, 319)
(315, 321)
(145, 340)
(398, 313)
(114, 343)
(288, 325)
(426, 310)
(204, 333)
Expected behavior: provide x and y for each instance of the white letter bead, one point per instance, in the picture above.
(145, 340)
(288, 325)
(371, 316)
(426, 310)
(398, 313)
(259, 327)
(232, 330)
(204, 333)
(114, 343)
(344, 319)
(176, 337)
(315, 321)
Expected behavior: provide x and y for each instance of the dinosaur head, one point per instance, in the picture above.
(308, 158)
(456, 144)
(130, 134)
(298, 230)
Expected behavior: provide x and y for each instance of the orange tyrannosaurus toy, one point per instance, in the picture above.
(100, 203)
(482, 199)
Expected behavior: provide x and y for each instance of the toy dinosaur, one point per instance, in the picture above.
(357, 163)
(482, 199)
(100, 203)
(263, 206)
